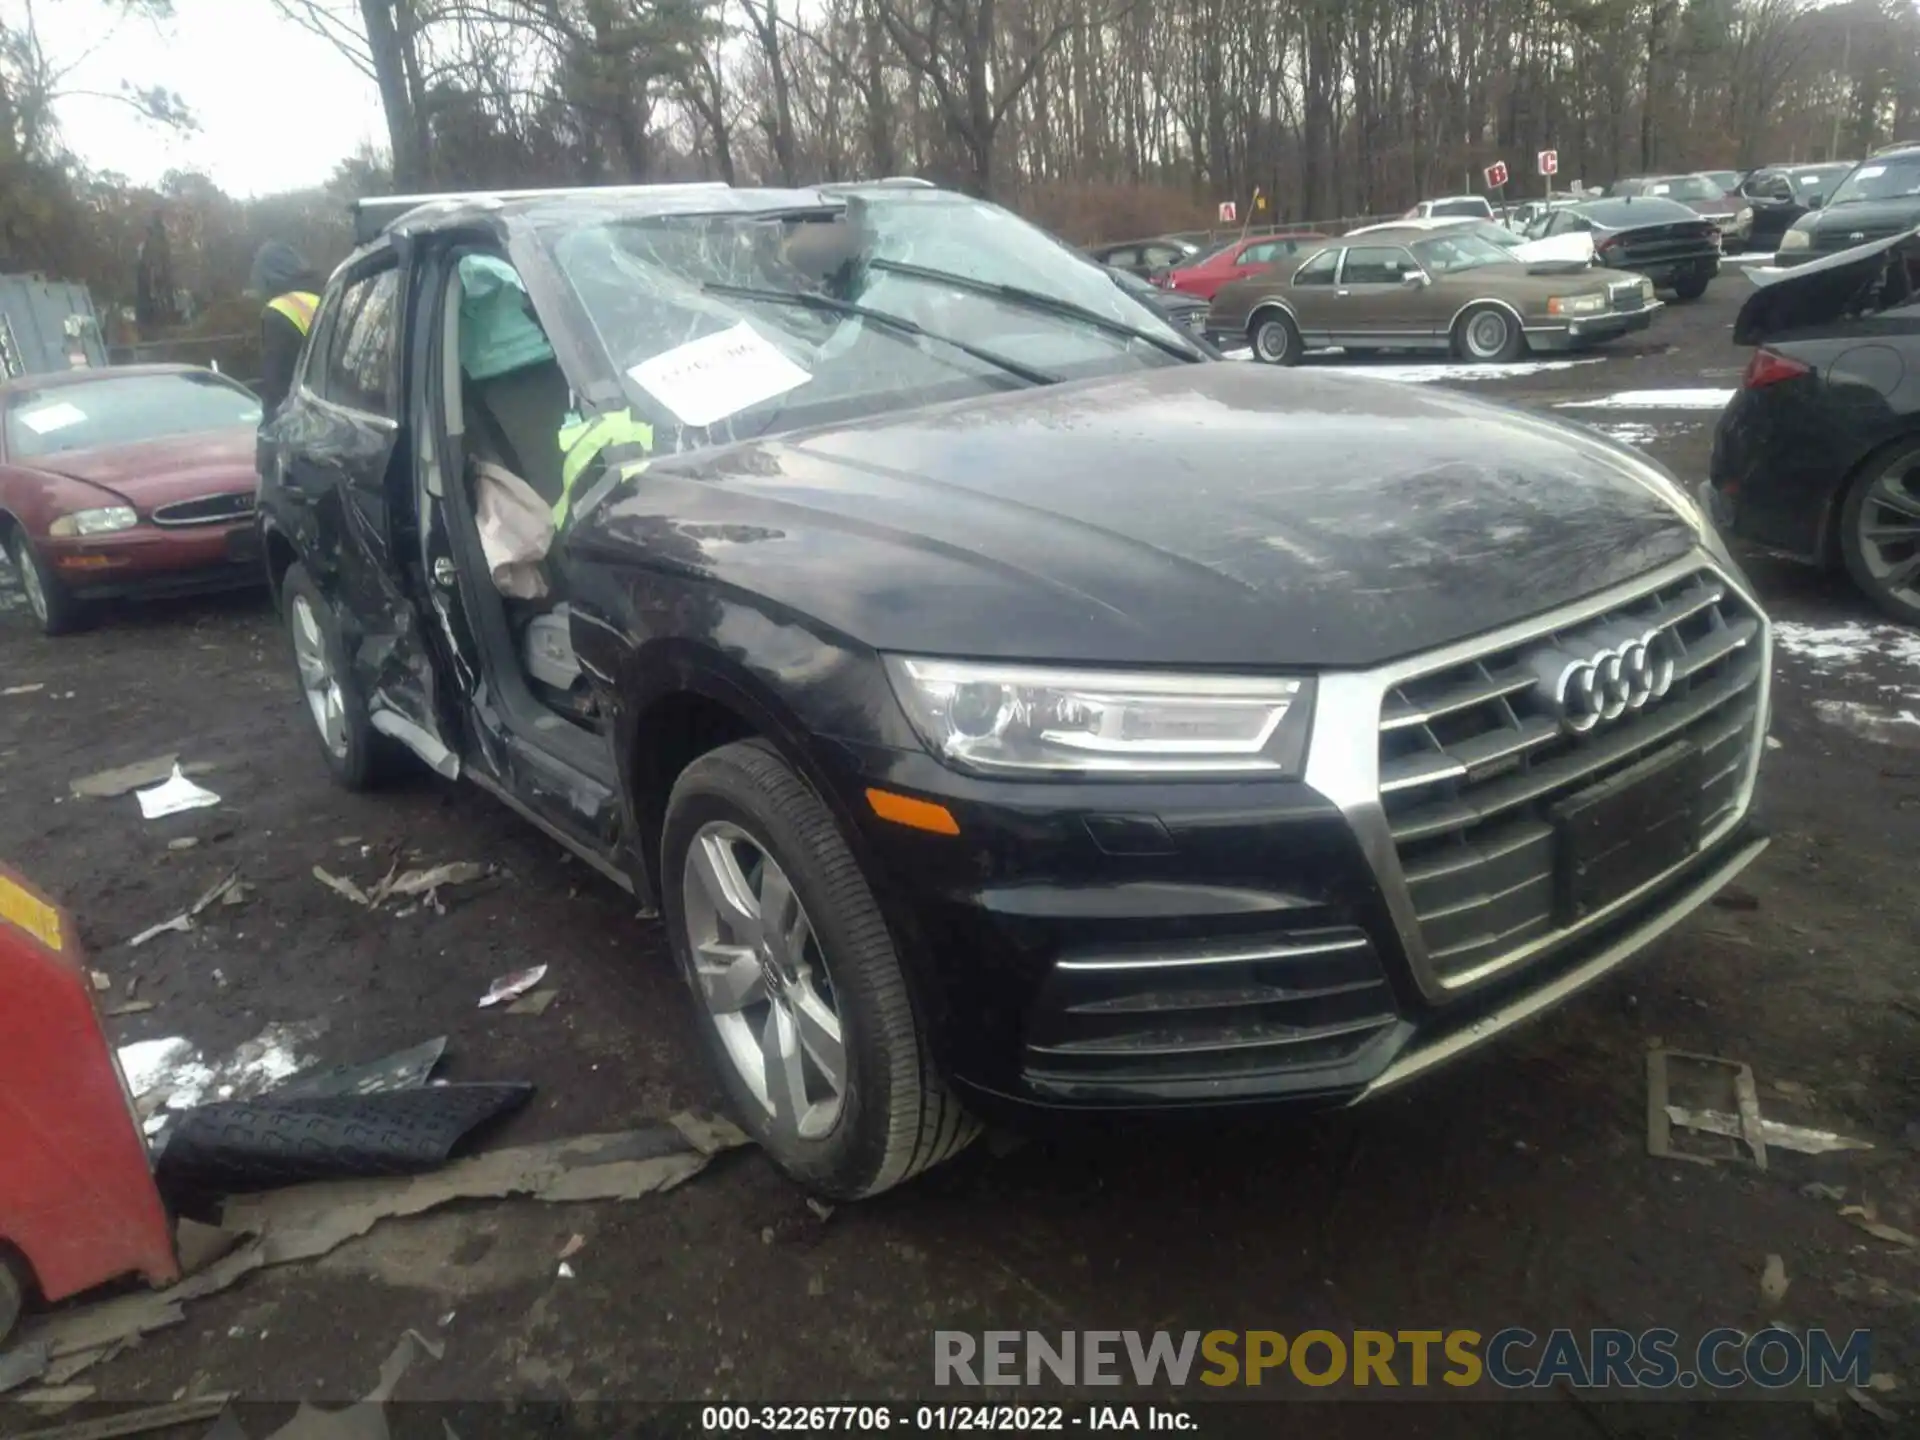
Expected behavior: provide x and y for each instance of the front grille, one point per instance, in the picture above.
(1830, 238)
(1472, 760)
(1169, 1012)
(1626, 295)
(206, 510)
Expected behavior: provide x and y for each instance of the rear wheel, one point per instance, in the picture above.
(800, 990)
(1489, 335)
(1275, 338)
(53, 606)
(1880, 531)
(357, 755)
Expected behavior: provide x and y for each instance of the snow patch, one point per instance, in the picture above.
(1427, 374)
(1654, 400)
(1887, 728)
(1848, 644)
(172, 1074)
(1629, 432)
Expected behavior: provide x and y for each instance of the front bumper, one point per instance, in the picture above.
(1591, 329)
(151, 560)
(1139, 946)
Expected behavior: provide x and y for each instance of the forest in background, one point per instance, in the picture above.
(1098, 118)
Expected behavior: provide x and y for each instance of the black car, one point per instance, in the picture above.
(1880, 198)
(1147, 258)
(1008, 708)
(1702, 194)
(1781, 194)
(1818, 454)
(1662, 239)
(1189, 312)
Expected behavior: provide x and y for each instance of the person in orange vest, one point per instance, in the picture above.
(282, 277)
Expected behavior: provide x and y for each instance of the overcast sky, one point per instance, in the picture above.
(278, 107)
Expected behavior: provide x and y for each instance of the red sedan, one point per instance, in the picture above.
(1240, 258)
(131, 481)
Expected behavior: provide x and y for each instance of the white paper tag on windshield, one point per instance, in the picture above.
(716, 376)
(1870, 172)
(48, 418)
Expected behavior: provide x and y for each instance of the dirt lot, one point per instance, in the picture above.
(1514, 1190)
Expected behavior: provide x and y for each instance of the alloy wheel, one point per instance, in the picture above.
(1888, 528)
(317, 680)
(760, 970)
(30, 582)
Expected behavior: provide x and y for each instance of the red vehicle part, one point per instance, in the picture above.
(1241, 259)
(78, 1205)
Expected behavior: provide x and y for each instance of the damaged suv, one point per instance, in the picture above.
(1008, 707)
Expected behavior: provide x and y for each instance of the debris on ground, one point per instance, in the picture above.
(533, 1004)
(1865, 1218)
(425, 885)
(566, 1271)
(221, 890)
(24, 689)
(512, 986)
(22, 1365)
(183, 842)
(1819, 1190)
(1773, 1279)
(250, 1145)
(307, 1221)
(170, 1074)
(108, 784)
(173, 796)
(1736, 899)
(1743, 1123)
(366, 1419)
(1872, 1406)
(822, 1211)
(101, 981)
(407, 1069)
(575, 1244)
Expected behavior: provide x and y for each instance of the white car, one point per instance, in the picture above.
(1576, 247)
(1452, 207)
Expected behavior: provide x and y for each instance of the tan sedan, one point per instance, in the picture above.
(1417, 289)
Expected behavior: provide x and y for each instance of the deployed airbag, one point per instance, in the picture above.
(498, 333)
(516, 530)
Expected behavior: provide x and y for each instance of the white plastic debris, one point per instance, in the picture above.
(174, 795)
(510, 987)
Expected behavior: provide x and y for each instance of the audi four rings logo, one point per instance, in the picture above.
(1583, 689)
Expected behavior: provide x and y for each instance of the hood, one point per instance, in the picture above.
(160, 472)
(1214, 514)
(1817, 291)
(1874, 218)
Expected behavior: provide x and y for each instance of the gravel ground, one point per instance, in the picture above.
(1513, 1190)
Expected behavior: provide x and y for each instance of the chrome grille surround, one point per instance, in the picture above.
(1626, 295)
(1728, 721)
(206, 509)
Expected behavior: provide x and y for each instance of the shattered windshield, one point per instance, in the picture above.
(1891, 179)
(748, 324)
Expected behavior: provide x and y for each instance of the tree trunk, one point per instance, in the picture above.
(405, 135)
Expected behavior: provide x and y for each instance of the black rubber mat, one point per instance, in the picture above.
(237, 1146)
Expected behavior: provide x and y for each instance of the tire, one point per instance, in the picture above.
(739, 821)
(357, 755)
(53, 606)
(1691, 288)
(1488, 335)
(1887, 568)
(1275, 338)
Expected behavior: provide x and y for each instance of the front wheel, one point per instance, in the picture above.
(1275, 338)
(1489, 335)
(53, 606)
(1691, 288)
(799, 988)
(1880, 531)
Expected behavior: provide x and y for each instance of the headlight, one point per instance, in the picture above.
(1577, 305)
(103, 521)
(1026, 720)
(1796, 240)
(1646, 289)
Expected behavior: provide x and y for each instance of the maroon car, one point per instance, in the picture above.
(131, 481)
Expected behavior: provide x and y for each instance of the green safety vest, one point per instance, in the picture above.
(581, 442)
(298, 306)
